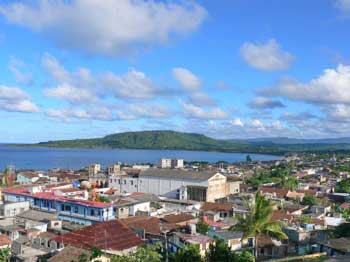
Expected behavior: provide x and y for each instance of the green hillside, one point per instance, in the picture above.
(191, 141)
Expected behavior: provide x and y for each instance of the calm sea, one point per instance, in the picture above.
(46, 158)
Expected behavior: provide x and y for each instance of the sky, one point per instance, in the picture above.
(226, 68)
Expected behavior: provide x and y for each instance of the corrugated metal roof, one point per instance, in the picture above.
(175, 173)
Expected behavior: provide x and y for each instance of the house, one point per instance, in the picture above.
(70, 253)
(273, 192)
(217, 211)
(181, 219)
(5, 241)
(179, 239)
(203, 186)
(27, 177)
(11, 209)
(150, 226)
(335, 246)
(67, 208)
(127, 206)
(232, 238)
(269, 248)
(112, 237)
(295, 209)
(305, 236)
(321, 209)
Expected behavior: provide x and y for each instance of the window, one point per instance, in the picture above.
(76, 210)
(92, 212)
(119, 181)
(124, 182)
(132, 182)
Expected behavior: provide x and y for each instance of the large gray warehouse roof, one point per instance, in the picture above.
(175, 173)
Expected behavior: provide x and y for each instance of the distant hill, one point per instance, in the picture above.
(294, 141)
(190, 141)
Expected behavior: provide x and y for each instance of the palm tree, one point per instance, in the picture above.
(258, 221)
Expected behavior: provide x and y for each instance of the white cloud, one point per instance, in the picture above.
(71, 94)
(13, 99)
(201, 99)
(94, 113)
(17, 67)
(266, 57)
(237, 122)
(265, 103)
(256, 123)
(135, 111)
(133, 84)
(193, 111)
(331, 87)
(81, 86)
(186, 78)
(339, 112)
(342, 5)
(106, 27)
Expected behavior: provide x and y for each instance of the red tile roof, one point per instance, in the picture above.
(279, 192)
(178, 218)
(151, 225)
(345, 205)
(308, 192)
(207, 206)
(50, 196)
(4, 240)
(110, 235)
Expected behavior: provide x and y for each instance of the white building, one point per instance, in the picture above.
(173, 183)
(94, 169)
(171, 163)
(113, 169)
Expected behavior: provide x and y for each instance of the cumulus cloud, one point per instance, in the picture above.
(331, 87)
(136, 111)
(193, 111)
(133, 84)
(338, 113)
(71, 94)
(17, 67)
(342, 5)
(237, 122)
(106, 27)
(83, 87)
(201, 99)
(94, 113)
(266, 57)
(186, 78)
(296, 117)
(14, 99)
(265, 103)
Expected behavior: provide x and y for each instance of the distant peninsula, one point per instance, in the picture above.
(172, 140)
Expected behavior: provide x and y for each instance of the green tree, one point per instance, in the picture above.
(309, 200)
(244, 256)
(248, 158)
(219, 252)
(258, 221)
(149, 253)
(343, 230)
(103, 199)
(290, 183)
(5, 254)
(304, 219)
(343, 186)
(202, 227)
(187, 253)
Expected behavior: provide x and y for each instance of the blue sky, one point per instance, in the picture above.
(228, 68)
